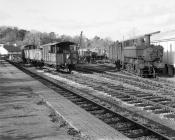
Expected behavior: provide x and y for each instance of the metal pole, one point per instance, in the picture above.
(81, 35)
(122, 56)
(56, 55)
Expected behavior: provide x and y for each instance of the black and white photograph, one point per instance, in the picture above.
(87, 70)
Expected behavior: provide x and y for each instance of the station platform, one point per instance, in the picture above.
(21, 119)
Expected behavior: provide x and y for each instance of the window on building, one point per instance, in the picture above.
(52, 49)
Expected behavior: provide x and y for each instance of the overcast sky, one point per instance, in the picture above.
(106, 18)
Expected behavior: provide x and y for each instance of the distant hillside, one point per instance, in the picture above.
(11, 35)
(20, 37)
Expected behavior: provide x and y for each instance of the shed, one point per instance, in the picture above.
(3, 51)
(12, 51)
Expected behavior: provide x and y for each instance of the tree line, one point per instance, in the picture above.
(21, 37)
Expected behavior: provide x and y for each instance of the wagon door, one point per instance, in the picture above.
(59, 59)
(59, 56)
(73, 54)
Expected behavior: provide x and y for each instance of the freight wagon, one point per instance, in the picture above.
(32, 54)
(92, 54)
(60, 55)
(115, 52)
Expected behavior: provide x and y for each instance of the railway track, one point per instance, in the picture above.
(135, 103)
(144, 100)
(128, 77)
(125, 125)
(144, 83)
(159, 81)
(119, 93)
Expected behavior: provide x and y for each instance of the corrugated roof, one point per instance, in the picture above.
(11, 48)
(60, 44)
(49, 44)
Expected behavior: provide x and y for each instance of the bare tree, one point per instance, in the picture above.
(32, 39)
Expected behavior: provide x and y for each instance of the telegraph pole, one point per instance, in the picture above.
(81, 35)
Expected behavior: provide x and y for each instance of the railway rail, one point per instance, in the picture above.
(164, 94)
(155, 105)
(155, 83)
(145, 83)
(147, 101)
(125, 125)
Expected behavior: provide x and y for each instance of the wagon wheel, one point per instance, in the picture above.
(140, 72)
(128, 67)
(57, 68)
(133, 68)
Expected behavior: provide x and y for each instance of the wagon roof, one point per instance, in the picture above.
(60, 44)
(28, 46)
